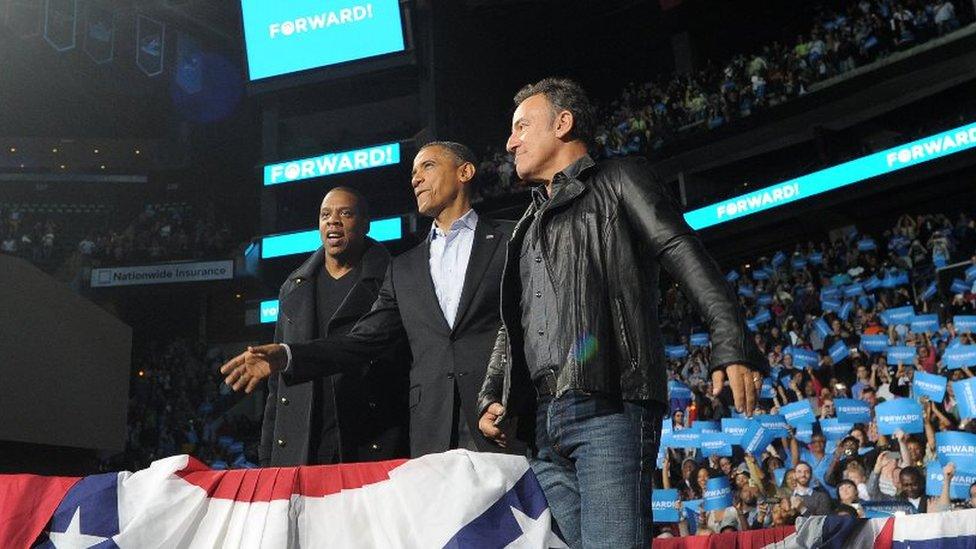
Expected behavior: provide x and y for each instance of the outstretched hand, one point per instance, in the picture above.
(248, 369)
(745, 383)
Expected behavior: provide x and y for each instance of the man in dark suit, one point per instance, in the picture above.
(358, 416)
(442, 294)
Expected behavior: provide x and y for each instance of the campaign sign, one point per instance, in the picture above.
(664, 505)
(804, 433)
(706, 426)
(839, 351)
(845, 310)
(830, 305)
(760, 274)
(678, 390)
(747, 291)
(752, 325)
(816, 258)
(775, 424)
(901, 354)
(803, 358)
(874, 343)
(852, 410)
(732, 276)
(685, 438)
(866, 244)
(886, 508)
(675, 352)
(958, 489)
(830, 292)
(957, 447)
(715, 444)
(901, 413)
(778, 259)
(699, 340)
(718, 493)
(766, 390)
(762, 316)
(930, 385)
(691, 509)
(822, 328)
(734, 428)
(798, 413)
(756, 438)
(959, 286)
(959, 356)
(928, 324)
(971, 274)
(667, 426)
(930, 291)
(965, 392)
(871, 284)
(764, 300)
(898, 315)
(798, 262)
(834, 429)
(853, 290)
(964, 323)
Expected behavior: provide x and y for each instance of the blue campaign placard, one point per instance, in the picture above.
(965, 392)
(707, 426)
(798, 262)
(930, 291)
(830, 305)
(762, 316)
(927, 324)
(685, 438)
(830, 292)
(959, 286)
(755, 439)
(766, 390)
(775, 424)
(853, 290)
(871, 284)
(798, 413)
(822, 328)
(778, 259)
(874, 343)
(816, 258)
(735, 428)
(901, 354)
(804, 433)
(715, 444)
(699, 339)
(764, 300)
(678, 391)
(804, 358)
(779, 474)
(676, 352)
(286, 37)
(886, 508)
(866, 244)
(760, 274)
(958, 356)
(956, 447)
(691, 508)
(971, 274)
(667, 426)
(845, 310)
(664, 505)
(901, 413)
(834, 429)
(839, 351)
(718, 493)
(732, 276)
(930, 385)
(852, 410)
(747, 291)
(958, 489)
(898, 315)
(964, 323)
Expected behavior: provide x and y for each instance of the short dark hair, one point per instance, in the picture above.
(362, 206)
(565, 94)
(462, 153)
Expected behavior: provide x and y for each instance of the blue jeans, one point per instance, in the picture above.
(596, 456)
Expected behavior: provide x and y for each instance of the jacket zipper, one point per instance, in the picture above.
(623, 331)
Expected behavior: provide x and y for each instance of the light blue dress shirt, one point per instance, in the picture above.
(449, 255)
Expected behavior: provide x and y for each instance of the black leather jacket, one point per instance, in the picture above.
(605, 236)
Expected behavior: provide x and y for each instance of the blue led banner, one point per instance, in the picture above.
(285, 37)
(269, 311)
(332, 163)
(381, 230)
(857, 170)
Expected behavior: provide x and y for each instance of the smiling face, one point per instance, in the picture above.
(342, 225)
(537, 133)
(438, 179)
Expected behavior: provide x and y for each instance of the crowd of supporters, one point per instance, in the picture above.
(178, 404)
(647, 116)
(828, 317)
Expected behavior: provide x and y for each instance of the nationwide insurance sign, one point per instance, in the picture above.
(169, 273)
(855, 171)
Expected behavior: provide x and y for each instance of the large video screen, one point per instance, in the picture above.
(296, 35)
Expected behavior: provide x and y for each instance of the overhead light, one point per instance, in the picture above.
(138, 151)
(13, 149)
(54, 150)
(21, 165)
(96, 151)
(62, 166)
(102, 166)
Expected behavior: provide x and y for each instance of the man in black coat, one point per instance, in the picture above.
(442, 294)
(358, 416)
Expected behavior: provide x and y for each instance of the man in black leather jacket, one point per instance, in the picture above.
(580, 353)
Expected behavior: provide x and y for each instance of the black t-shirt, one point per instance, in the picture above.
(324, 429)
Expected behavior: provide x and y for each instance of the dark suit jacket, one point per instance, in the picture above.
(442, 355)
(370, 402)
